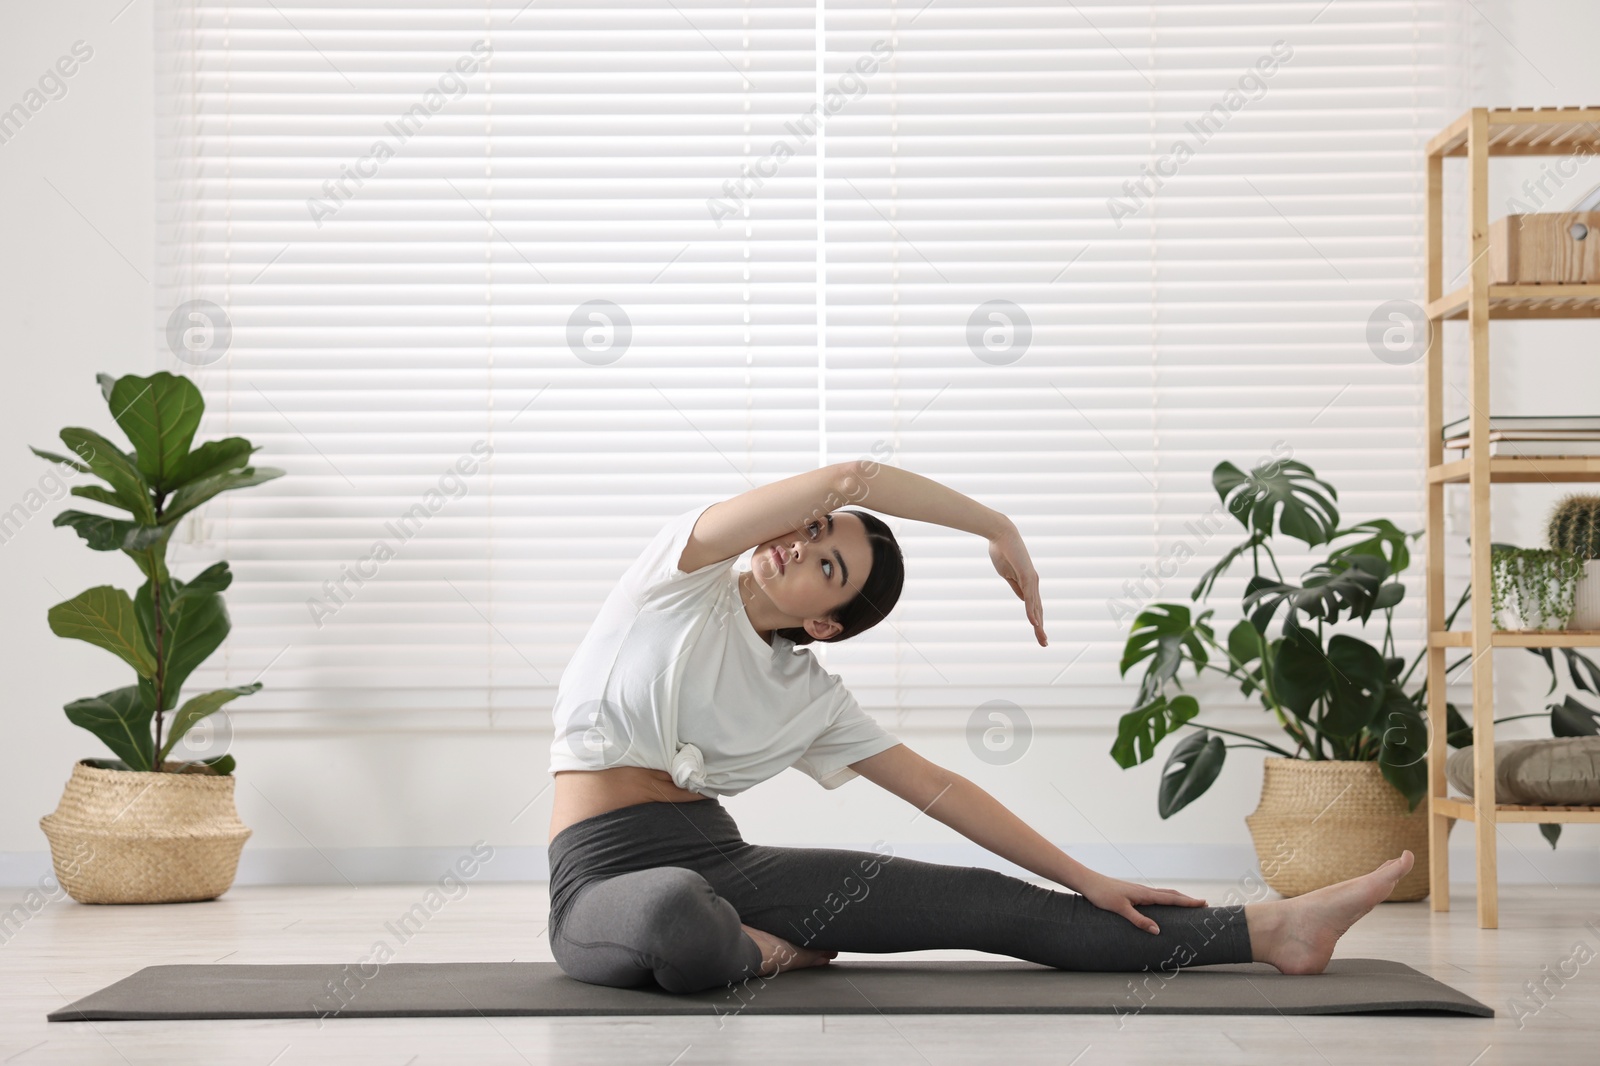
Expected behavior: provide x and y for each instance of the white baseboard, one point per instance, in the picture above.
(1159, 864)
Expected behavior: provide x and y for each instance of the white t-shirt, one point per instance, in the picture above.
(673, 676)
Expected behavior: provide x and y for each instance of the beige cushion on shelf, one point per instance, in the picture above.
(1547, 772)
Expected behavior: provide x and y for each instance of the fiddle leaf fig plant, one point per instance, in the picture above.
(168, 627)
(1335, 695)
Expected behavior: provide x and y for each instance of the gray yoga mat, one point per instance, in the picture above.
(471, 989)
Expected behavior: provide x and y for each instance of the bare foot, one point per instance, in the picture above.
(778, 955)
(1297, 935)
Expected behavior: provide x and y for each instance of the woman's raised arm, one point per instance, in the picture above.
(903, 494)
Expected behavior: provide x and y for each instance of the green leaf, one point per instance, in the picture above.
(1458, 732)
(107, 383)
(148, 549)
(216, 766)
(1569, 718)
(1300, 672)
(214, 578)
(212, 457)
(101, 533)
(104, 616)
(195, 625)
(1387, 542)
(199, 707)
(199, 626)
(1244, 641)
(221, 765)
(1164, 630)
(1388, 596)
(1284, 490)
(195, 493)
(1403, 752)
(1245, 646)
(1551, 831)
(1348, 584)
(1191, 768)
(1576, 658)
(1208, 580)
(1144, 727)
(120, 719)
(1356, 688)
(160, 414)
(101, 494)
(54, 458)
(132, 491)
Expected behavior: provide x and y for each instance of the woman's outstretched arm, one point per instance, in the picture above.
(971, 811)
(903, 494)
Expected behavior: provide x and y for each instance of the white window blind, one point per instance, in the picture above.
(653, 254)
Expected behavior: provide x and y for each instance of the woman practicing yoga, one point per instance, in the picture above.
(690, 685)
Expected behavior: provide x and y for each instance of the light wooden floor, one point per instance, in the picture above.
(67, 950)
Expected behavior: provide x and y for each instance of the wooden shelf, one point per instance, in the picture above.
(1478, 135)
(1519, 638)
(1464, 809)
(1523, 301)
(1512, 468)
(1525, 131)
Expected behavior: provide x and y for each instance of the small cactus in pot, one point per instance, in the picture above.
(1574, 527)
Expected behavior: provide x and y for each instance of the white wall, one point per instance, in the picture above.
(331, 807)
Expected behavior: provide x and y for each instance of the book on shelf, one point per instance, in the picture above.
(1539, 423)
(1531, 447)
(1460, 439)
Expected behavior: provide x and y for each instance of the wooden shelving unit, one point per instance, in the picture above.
(1478, 135)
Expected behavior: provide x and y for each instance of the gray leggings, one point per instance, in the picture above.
(659, 890)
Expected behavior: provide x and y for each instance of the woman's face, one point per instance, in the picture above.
(812, 571)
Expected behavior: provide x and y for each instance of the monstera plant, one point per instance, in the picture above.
(1335, 695)
(168, 627)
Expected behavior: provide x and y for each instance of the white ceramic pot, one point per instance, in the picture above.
(1524, 608)
(1586, 600)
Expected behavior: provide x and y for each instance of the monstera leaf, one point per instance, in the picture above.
(1403, 754)
(1208, 580)
(1164, 630)
(1569, 718)
(1350, 584)
(1284, 491)
(1245, 650)
(1300, 671)
(1141, 729)
(1387, 542)
(1191, 768)
(1356, 688)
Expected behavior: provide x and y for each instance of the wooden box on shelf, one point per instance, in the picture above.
(1551, 248)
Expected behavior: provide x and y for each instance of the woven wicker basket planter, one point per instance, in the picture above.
(122, 836)
(1321, 822)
